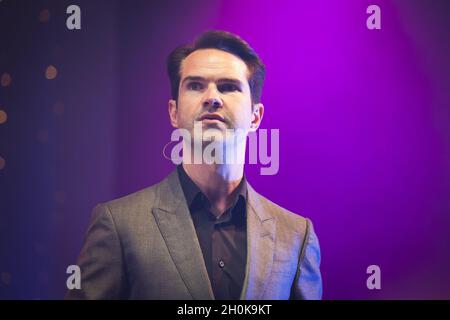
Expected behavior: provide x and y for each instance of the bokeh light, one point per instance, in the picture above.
(5, 278)
(58, 108)
(51, 72)
(3, 116)
(44, 15)
(5, 80)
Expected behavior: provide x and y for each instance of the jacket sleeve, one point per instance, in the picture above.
(308, 280)
(100, 260)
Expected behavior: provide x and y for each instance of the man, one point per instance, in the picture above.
(203, 232)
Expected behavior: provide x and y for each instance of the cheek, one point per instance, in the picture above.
(242, 109)
(187, 110)
(190, 101)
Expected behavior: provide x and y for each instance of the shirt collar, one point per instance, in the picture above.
(193, 193)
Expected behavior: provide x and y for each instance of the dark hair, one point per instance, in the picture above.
(222, 40)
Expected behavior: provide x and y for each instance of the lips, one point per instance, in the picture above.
(212, 116)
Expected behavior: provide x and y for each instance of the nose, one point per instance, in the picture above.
(212, 102)
(212, 99)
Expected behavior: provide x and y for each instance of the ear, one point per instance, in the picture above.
(173, 113)
(257, 115)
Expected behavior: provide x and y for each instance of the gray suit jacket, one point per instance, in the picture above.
(144, 246)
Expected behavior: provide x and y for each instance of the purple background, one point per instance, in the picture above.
(364, 119)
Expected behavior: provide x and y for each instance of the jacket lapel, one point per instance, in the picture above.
(175, 223)
(261, 228)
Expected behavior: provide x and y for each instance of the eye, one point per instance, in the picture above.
(195, 86)
(228, 87)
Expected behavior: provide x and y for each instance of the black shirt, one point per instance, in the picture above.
(223, 239)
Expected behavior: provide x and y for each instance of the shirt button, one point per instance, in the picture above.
(221, 264)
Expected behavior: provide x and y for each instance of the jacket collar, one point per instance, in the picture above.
(175, 223)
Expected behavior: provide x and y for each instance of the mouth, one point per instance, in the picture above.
(212, 117)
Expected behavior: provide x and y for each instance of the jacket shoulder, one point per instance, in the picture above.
(285, 217)
(135, 199)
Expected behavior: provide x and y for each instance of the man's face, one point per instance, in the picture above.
(214, 89)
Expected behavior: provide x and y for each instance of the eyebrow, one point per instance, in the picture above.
(221, 80)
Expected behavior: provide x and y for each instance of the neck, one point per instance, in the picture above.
(218, 182)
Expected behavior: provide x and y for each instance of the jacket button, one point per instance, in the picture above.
(221, 264)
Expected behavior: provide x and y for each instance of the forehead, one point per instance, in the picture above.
(213, 64)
